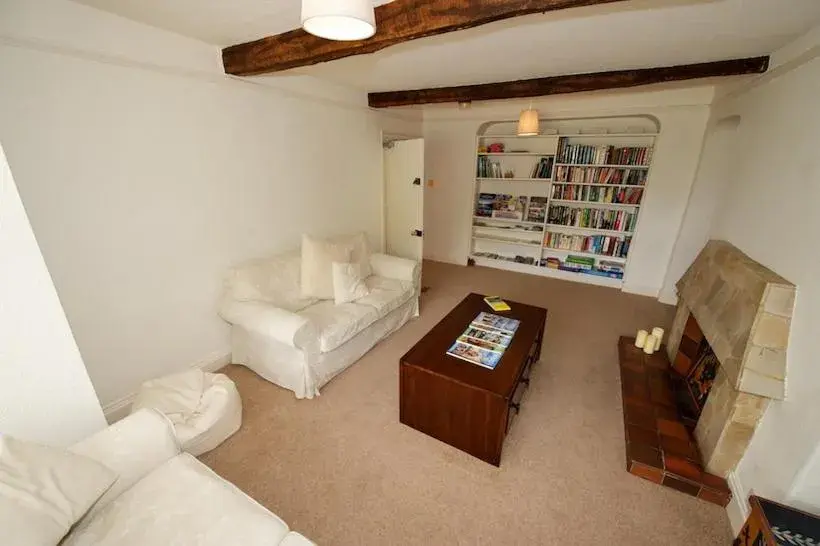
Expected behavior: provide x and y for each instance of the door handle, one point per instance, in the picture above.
(416, 233)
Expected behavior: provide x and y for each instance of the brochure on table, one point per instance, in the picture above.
(485, 340)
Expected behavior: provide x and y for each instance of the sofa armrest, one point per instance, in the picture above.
(266, 319)
(132, 447)
(393, 267)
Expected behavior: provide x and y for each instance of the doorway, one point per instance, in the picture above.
(404, 196)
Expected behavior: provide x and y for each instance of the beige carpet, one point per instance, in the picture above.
(342, 470)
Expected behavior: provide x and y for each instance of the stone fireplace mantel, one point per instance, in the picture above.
(744, 310)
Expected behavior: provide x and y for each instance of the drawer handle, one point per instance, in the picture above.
(516, 407)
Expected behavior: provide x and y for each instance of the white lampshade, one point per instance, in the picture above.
(528, 123)
(339, 19)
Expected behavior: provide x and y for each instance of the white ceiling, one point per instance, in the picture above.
(637, 34)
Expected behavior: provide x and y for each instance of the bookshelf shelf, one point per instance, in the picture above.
(507, 241)
(585, 254)
(513, 154)
(516, 179)
(507, 220)
(590, 230)
(510, 230)
(627, 156)
(547, 272)
(595, 203)
(601, 185)
(601, 165)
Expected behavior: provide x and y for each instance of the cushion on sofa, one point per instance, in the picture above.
(45, 490)
(348, 282)
(336, 324)
(273, 280)
(181, 502)
(317, 271)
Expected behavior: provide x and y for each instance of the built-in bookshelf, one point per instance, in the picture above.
(560, 205)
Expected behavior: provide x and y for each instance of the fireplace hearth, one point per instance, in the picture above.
(690, 410)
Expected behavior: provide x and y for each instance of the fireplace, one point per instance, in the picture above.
(690, 411)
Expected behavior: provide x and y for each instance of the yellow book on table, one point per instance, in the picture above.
(497, 304)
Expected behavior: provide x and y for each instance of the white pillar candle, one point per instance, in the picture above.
(640, 339)
(658, 334)
(649, 344)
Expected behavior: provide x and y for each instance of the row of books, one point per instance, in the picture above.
(543, 169)
(485, 340)
(605, 245)
(603, 154)
(511, 207)
(510, 226)
(613, 220)
(604, 268)
(488, 168)
(597, 194)
(580, 264)
(600, 175)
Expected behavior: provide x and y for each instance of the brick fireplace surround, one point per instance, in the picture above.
(743, 310)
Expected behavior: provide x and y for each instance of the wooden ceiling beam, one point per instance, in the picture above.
(397, 22)
(574, 83)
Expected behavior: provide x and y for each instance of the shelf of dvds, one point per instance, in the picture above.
(585, 179)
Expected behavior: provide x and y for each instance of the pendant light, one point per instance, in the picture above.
(342, 20)
(528, 122)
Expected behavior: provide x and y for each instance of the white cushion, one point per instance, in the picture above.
(317, 272)
(386, 294)
(335, 324)
(131, 447)
(360, 251)
(205, 408)
(181, 502)
(273, 280)
(348, 282)
(45, 490)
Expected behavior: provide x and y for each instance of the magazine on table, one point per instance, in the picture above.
(485, 340)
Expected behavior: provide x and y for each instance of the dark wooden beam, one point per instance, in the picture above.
(396, 22)
(574, 83)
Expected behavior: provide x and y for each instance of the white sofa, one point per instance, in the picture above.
(301, 344)
(163, 496)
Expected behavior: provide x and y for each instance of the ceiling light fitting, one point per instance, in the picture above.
(343, 20)
(528, 122)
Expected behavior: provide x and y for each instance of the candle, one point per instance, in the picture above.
(640, 339)
(658, 333)
(649, 344)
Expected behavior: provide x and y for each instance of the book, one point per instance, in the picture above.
(495, 322)
(537, 209)
(496, 303)
(509, 207)
(484, 205)
(475, 355)
(485, 340)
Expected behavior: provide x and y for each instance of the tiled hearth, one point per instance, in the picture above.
(659, 445)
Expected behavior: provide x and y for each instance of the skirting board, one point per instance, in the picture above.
(118, 409)
(738, 508)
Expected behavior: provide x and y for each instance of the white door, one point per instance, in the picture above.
(404, 198)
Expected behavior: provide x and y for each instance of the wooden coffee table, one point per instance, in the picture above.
(460, 403)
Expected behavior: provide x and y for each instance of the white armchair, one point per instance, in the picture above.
(301, 344)
(163, 496)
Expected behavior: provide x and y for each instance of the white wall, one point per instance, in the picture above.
(45, 393)
(770, 213)
(450, 161)
(147, 172)
(707, 195)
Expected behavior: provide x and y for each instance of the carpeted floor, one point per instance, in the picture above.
(342, 470)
